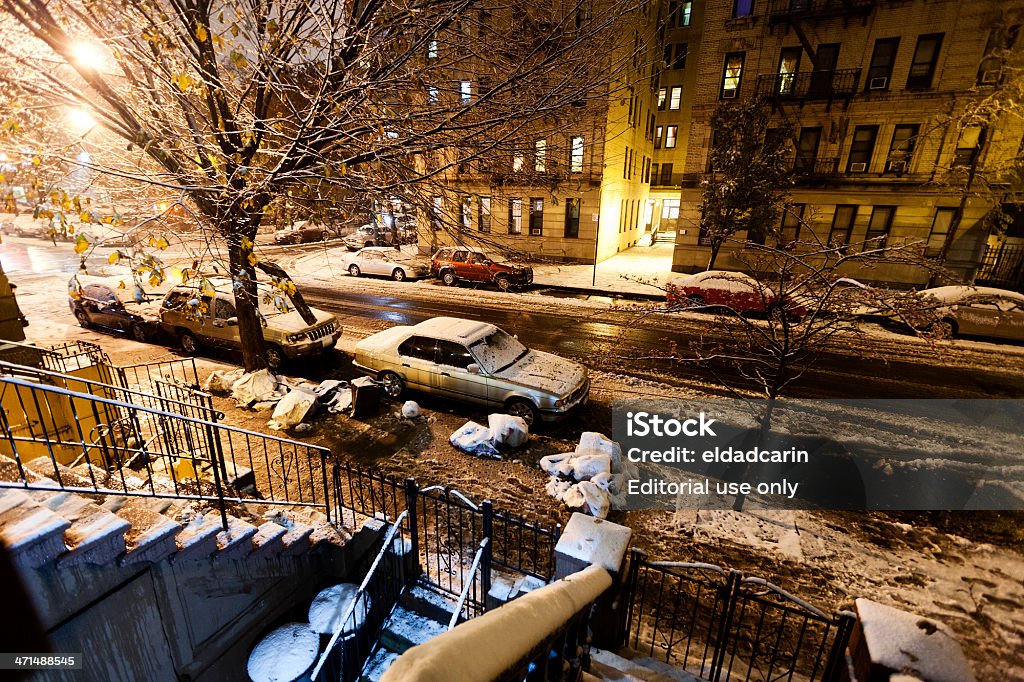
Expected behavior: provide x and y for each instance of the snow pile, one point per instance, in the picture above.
(284, 655)
(502, 431)
(410, 409)
(293, 409)
(591, 478)
(334, 395)
(220, 381)
(257, 387)
(332, 603)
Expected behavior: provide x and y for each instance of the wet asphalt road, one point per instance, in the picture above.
(611, 345)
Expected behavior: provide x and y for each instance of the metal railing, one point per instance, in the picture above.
(65, 358)
(807, 168)
(784, 10)
(809, 85)
(108, 440)
(363, 620)
(721, 625)
(479, 577)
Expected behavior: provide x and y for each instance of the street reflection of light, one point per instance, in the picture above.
(88, 55)
(80, 119)
(83, 157)
(162, 206)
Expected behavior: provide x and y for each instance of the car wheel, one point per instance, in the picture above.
(448, 277)
(274, 357)
(354, 270)
(83, 318)
(521, 407)
(398, 275)
(138, 332)
(393, 384)
(503, 282)
(325, 235)
(189, 343)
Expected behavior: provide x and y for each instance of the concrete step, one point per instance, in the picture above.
(297, 533)
(33, 534)
(611, 667)
(96, 536)
(405, 629)
(198, 536)
(377, 665)
(427, 602)
(268, 539)
(151, 536)
(236, 541)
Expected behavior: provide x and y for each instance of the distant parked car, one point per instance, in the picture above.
(475, 362)
(454, 264)
(98, 305)
(305, 233)
(973, 311)
(387, 261)
(736, 291)
(197, 320)
(367, 235)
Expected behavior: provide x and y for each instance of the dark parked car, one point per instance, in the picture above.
(98, 305)
(305, 233)
(454, 264)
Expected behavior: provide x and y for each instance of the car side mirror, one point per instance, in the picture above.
(473, 368)
(232, 321)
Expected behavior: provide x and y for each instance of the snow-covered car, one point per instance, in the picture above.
(973, 311)
(736, 291)
(387, 261)
(98, 305)
(475, 362)
(367, 235)
(305, 233)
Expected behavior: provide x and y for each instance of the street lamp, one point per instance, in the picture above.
(88, 55)
(81, 120)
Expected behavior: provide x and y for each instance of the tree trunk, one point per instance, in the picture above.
(250, 327)
(763, 430)
(715, 246)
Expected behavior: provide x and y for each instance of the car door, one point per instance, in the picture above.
(376, 264)
(476, 265)
(453, 377)
(416, 357)
(1011, 318)
(102, 306)
(978, 316)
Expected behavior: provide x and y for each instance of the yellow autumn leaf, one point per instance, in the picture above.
(161, 244)
(113, 258)
(252, 259)
(84, 217)
(183, 81)
(246, 244)
(121, 285)
(2, 178)
(201, 33)
(81, 244)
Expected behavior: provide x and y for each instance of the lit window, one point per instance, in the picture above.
(466, 88)
(515, 216)
(432, 94)
(662, 97)
(675, 98)
(432, 49)
(743, 8)
(540, 153)
(536, 216)
(731, 74)
(684, 15)
(436, 213)
(670, 136)
(517, 163)
(466, 213)
(670, 209)
(658, 133)
(576, 154)
(484, 217)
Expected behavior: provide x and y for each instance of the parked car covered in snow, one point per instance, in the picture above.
(454, 264)
(387, 261)
(736, 291)
(475, 362)
(304, 233)
(973, 311)
(98, 305)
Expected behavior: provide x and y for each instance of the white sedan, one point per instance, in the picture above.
(475, 362)
(387, 261)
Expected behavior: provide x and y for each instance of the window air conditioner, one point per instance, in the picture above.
(729, 94)
(535, 232)
(858, 167)
(879, 83)
(897, 166)
(990, 76)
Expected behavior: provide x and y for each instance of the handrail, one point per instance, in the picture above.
(446, 490)
(70, 377)
(754, 580)
(469, 583)
(388, 539)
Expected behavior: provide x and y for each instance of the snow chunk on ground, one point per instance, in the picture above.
(332, 603)
(410, 409)
(285, 654)
(557, 465)
(596, 499)
(592, 442)
(508, 430)
(475, 439)
(258, 387)
(293, 409)
(586, 467)
(221, 381)
(599, 473)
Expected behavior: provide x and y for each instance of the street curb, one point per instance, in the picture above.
(629, 295)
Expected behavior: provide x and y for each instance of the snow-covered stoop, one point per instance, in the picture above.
(40, 527)
(610, 667)
(420, 615)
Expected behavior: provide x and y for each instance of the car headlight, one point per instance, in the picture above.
(295, 338)
(560, 402)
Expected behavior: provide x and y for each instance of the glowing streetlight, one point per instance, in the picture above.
(81, 120)
(88, 55)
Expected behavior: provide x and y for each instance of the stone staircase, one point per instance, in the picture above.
(626, 667)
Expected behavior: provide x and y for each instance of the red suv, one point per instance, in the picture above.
(452, 264)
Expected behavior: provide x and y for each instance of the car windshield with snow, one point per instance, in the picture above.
(476, 362)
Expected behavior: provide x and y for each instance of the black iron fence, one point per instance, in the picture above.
(1002, 266)
(809, 85)
(722, 625)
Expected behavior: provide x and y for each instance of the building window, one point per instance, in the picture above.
(466, 89)
(670, 136)
(662, 98)
(967, 145)
(432, 94)
(926, 56)
(675, 56)
(540, 154)
(483, 218)
(437, 210)
(842, 227)
(940, 229)
(654, 173)
(515, 216)
(878, 228)
(675, 97)
(792, 218)
(432, 49)
(625, 163)
(807, 150)
(732, 72)
(901, 149)
(882, 59)
(659, 132)
(572, 218)
(576, 154)
(536, 216)
(466, 213)
(861, 149)
(743, 8)
(666, 174)
(518, 161)
(789, 64)
(670, 209)
(1000, 42)
(685, 10)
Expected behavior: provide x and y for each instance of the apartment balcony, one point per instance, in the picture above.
(827, 84)
(795, 10)
(811, 169)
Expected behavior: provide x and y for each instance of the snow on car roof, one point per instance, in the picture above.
(951, 294)
(723, 279)
(454, 329)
